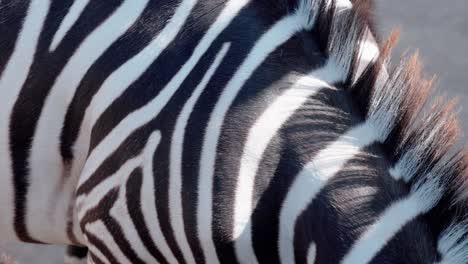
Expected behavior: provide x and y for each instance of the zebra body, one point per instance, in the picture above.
(217, 132)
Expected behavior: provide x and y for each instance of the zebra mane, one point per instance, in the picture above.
(419, 135)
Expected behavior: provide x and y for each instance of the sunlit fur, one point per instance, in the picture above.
(252, 131)
(420, 134)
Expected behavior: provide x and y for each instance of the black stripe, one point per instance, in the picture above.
(95, 259)
(12, 14)
(159, 74)
(414, 243)
(166, 121)
(99, 213)
(247, 23)
(307, 131)
(127, 46)
(254, 97)
(101, 246)
(130, 148)
(349, 203)
(31, 99)
(122, 242)
(77, 252)
(133, 196)
(102, 213)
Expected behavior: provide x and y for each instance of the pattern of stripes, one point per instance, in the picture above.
(222, 131)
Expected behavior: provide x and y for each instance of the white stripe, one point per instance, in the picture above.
(119, 81)
(453, 243)
(368, 52)
(368, 49)
(390, 222)
(395, 172)
(143, 115)
(99, 230)
(121, 211)
(147, 194)
(97, 254)
(311, 253)
(260, 135)
(175, 181)
(123, 77)
(274, 37)
(11, 82)
(148, 200)
(131, 70)
(86, 203)
(313, 177)
(72, 16)
(329, 73)
(411, 161)
(45, 156)
(343, 4)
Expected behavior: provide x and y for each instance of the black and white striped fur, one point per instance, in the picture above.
(219, 131)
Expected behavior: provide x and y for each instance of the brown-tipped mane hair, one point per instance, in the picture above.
(425, 132)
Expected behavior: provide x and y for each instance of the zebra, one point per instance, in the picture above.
(223, 131)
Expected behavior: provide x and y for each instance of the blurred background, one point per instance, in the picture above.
(438, 29)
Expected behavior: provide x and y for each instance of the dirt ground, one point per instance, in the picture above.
(438, 29)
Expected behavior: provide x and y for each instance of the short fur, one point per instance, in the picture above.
(415, 148)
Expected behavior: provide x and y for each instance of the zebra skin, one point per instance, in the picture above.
(223, 131)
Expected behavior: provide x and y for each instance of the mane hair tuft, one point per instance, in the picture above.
(418, 134)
